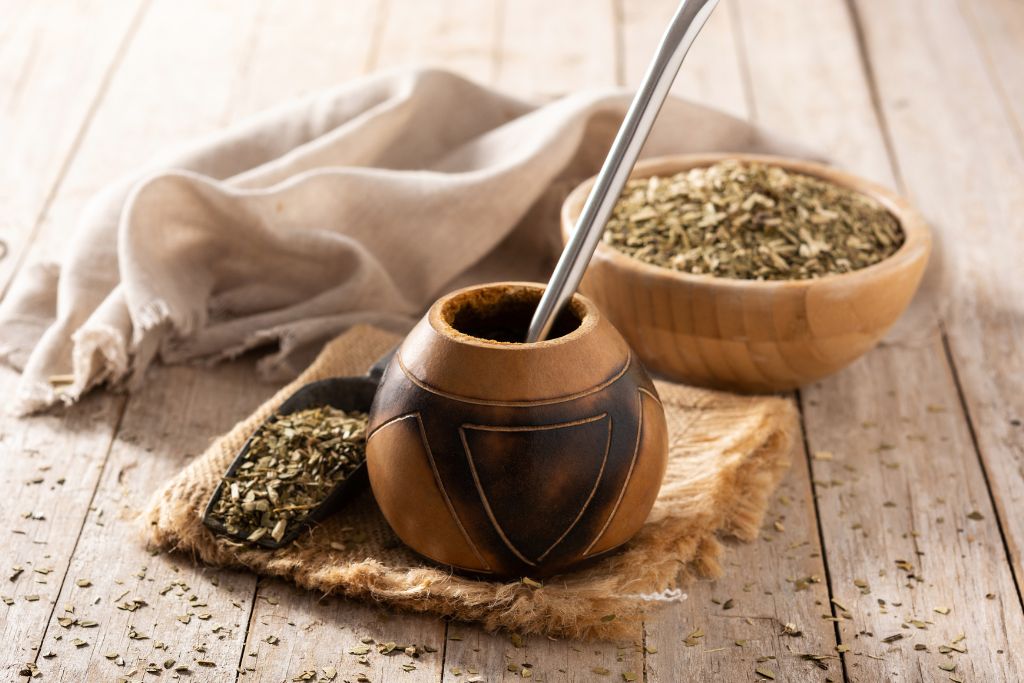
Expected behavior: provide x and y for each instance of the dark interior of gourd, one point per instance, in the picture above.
(503, 314)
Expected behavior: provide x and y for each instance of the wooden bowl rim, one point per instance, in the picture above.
(917, 244)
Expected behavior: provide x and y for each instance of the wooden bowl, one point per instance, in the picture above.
(514, 459)
(746, 335)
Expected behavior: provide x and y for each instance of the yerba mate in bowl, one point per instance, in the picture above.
(751, 221)
(759, 291)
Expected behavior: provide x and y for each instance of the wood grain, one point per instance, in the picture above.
(294, 630)
(49, 468)
(46, 58)
(136, 115)
(471, 653)
(294, 48)
(547, 49)
(712, 73)
(49, 465)
(459, 35)
(140, 114)
(904, 485)
(805, 77)
(975, 200)
(998, 423)
(533, 59)
(806, 81)
(199, 613)
(997, 27)
(897, 466)
(777, 580)
(765, 600)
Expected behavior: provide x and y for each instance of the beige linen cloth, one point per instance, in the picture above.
(727, 453)
(360, 204)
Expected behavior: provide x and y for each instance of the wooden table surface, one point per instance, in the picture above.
(894, 545)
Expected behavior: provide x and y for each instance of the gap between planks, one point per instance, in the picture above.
(829, 581)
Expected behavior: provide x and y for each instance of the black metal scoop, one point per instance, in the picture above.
(343, 393)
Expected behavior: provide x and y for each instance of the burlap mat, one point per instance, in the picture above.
(727, 454)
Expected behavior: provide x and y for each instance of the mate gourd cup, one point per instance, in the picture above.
(748, 335)
(512, 459)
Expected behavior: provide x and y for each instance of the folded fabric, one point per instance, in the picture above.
(727, 454)
(355, 205)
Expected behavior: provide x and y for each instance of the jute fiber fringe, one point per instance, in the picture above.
(726, 455)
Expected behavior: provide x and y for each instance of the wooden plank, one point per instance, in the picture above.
(340, 41)
(336, 46)
(904, 486)
(49, 467)
(774, 581)
(309, 632)
(143, 115)
(191, 614)
(295, 631)
(536, 60)
(573, 47)
(138, 115)
(453, 34)
(807, 82)
(299, 47)
(998, 30)
(977, 203)
(763, 602)
(46, 58)
(712, 73)
(471, 653)
(882, 496)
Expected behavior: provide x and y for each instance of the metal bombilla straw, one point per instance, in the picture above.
(681, 32)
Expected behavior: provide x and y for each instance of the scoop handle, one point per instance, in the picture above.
(681, 32)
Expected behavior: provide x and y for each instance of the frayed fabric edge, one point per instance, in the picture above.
(88, 371)
(32, 398)
(669, 595)
(100, 354)
(113, 354)
(153, 315)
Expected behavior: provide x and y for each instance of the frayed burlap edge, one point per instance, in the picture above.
(726, 455)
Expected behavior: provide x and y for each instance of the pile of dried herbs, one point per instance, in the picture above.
(751, 221)
(292, 464)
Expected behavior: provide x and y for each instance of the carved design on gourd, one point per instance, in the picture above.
(428, 454)
(518, 404)
(533, 461)
(640, 435)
